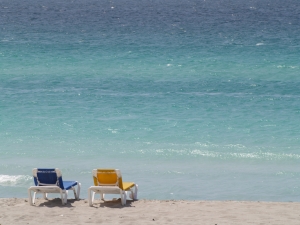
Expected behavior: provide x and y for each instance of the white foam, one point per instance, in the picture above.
(13, 180)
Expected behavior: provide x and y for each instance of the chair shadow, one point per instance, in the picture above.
(55, 202)
(114, 203)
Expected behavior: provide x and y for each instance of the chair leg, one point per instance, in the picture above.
(33, 198)
(91, 195)
(62, 197)
(123, 197)
(131, 194)
(78, 190)
(102, 196)
(30, 197)
(66, 197)
(45, 196)
(74, 191)
(135, 192)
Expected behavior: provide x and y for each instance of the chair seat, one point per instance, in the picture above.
(127, 185)
(69, 184)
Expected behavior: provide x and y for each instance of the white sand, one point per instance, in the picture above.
(18, 211)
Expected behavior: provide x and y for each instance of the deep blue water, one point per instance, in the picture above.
(190, 99)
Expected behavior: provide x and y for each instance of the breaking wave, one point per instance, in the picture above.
(14, 180)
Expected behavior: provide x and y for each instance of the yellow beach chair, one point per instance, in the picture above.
(109, 181)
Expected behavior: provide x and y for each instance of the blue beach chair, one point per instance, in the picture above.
(50, 181)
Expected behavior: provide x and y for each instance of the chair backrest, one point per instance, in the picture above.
(107, 177)
(47, 177)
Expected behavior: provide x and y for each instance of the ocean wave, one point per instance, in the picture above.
(245, 155)
(14, 180)
(256, 155)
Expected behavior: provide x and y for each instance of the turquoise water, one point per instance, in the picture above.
(190, 99)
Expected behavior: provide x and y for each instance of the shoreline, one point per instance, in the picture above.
(18, 211)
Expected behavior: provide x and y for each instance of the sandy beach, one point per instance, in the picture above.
(18, 211)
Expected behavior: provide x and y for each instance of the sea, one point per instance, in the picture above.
(192, 100)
